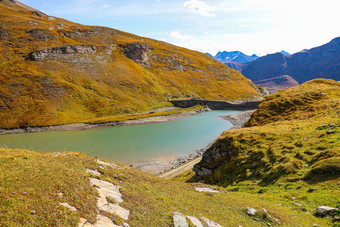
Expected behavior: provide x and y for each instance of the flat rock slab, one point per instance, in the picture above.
(107, 189)
(100, 162)
(206, 189)
(210, 223)
(102, 221)
(71, 208)
(94, 172)
(179, 220)
(195, 221)
(115, 209)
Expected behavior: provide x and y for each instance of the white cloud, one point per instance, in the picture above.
(177, 35)
(200, 7)
(106, 6)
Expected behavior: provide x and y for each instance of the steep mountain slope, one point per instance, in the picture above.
(53, 71)
(293, 136)
(277, 83)
(318, 62)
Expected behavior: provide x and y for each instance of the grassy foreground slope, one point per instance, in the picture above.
(53, 71)
(32, 186)
(290, 144)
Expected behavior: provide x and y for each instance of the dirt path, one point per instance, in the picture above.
(181, 169)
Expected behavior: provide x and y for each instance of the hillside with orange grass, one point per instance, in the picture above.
(53, 71)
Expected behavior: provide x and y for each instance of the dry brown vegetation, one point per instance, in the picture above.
(87, 75)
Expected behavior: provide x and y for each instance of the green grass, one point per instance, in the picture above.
(32, 181)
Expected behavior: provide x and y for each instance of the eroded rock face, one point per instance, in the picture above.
(218, 154)
(138, 52)
(74, 53)
(41, 34)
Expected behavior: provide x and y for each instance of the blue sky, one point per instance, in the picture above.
(251, 26)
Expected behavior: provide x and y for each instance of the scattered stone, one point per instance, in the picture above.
(256, 219)
(33, 212)
(106, 163)
(269, 224)
(304, 209)
(331, 125)
(330, 132)
(324, 210)
(179, 220)
(312, 190)
(195, 221)
(71, 208)
(336, 218)
(298, 204)
(279, 204)
(316, 225)
(293, 197)
(94, 172)
(206, 189)
(60, 195)
(210, 223)
(251, 211)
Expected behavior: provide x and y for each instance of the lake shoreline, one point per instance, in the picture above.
(85, 126)
(159, 166)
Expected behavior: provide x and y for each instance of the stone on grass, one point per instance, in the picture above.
(71, 208)
(106, 163)
(210, 223)
(179, 220)
(311, 190)
(107, 189)
(94, 172)
(206, 189)
(251, 211)
(195, 221)
(324, 210)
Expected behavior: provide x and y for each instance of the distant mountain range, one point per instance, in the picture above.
(281, 70)
(233, 56)
(318, 62)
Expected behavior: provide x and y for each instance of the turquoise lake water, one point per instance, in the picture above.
(130, 143)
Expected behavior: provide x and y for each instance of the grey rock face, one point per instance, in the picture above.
(41, 34)
(74, 53)
(138, 52)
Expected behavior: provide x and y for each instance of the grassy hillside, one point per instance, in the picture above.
(53, 71)
(290, 144)
(31, 193)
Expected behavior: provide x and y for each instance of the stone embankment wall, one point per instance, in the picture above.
(216, 105)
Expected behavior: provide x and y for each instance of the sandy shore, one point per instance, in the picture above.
(83, 126)
(173, 166)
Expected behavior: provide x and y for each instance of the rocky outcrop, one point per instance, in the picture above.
(41, 34)
(217, 155)
(74, 54)
(138, 52)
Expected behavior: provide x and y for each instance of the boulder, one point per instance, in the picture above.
(324, 210)
(251, 211)
(138, 52)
